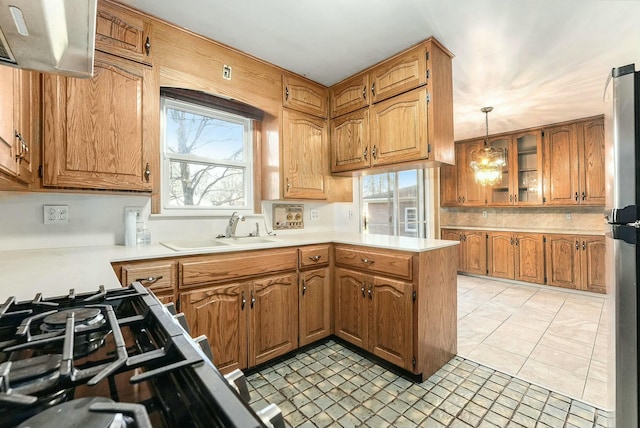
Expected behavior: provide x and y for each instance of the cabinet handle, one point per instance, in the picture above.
(517, 241)
(365, 153)
(286, 93)
(24, 147)
(147, 46)
(464, 198)
(364, 92)
(515, 198)
(576, 196)
(584, 245)
(367, 261)
(288, 184)
(147, 172)
(253, 299)
(150, 279)
(244, 301)
(370, 291)
(577, 245)
(511, 241)
(304, 287)
(373, 89)
(362, 288)
(584, 196)
(510, 198)
(374, 152)
(315, 258)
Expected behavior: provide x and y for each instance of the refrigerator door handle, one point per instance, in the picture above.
(626, 215)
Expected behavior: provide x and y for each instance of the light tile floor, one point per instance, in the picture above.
(330, 385)
(552, 337)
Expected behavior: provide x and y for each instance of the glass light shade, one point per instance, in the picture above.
(487, 164)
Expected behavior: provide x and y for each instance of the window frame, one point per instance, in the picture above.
(190, 106)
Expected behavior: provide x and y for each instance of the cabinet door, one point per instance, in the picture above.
(7, 120)
(274, 317)
(563, 261)
(593, 265)
(305, 96)
(475, 252)
(93, 128)
(221, 314)
(527, 168)
(399, 74)
(350, 141)
(391, 320)
(28, 121)
(591, 146)
(529, 257)
(501, 254)
(561, 165)
(350, 306)
(454, 235)
(503, 193)
(304, 153)
(349, 95)
(315, 305)
(469, 192)
(448, 186)
(399, 129)
(123, 33)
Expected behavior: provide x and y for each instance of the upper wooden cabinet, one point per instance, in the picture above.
(19, 105)
(410, 113)
(458, 186)
(124, 33)
(95, 135)
(574, 163)
(350, 95)
(304, 95)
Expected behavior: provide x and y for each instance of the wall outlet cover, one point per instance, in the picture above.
(56, 214)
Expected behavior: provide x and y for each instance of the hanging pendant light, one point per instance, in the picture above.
(487, 163)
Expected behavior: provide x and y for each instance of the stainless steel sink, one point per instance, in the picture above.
(184, 245)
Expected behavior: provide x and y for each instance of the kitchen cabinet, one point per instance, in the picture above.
(409, 114)
(19, 124)
(304, 95)
(304, 154)
(349, 95)
(159, 276)
(576, 262)
(518, 256)
(521, 183)
(314, 294)
(95, 130)
(246, 303)
(122, 32)
(458, 186)
(373, 311)
(574, 163)
(472, 252)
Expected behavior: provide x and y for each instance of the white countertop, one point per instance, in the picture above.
(55, 271)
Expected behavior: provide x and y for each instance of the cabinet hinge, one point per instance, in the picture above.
(427, 55)
(487, 271)
(428, 73)
(544, 239)
(413, 295)
(40, 171)
(428, 97)
(544, 200)
(428, 148)
(543, 133)
(413, 362)
(178, 305)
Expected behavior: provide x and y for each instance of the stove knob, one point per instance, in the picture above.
(271, 416)
(239, 382)
(203, 342)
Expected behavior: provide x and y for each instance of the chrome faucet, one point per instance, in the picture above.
(233, 224)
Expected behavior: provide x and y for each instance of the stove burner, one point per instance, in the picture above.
(84, 318)
(77, 414)
(35, 368)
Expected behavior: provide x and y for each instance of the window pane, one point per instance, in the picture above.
(408, 203)
(377, 201)
(203, 136)
(201, 185)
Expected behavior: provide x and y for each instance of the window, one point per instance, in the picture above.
(393, 203)
(207, 159)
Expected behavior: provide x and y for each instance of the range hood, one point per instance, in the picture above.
(52, 36)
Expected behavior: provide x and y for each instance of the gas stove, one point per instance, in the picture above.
(113, 358)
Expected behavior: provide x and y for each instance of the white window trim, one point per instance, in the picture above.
(170, 211)
(411, 226)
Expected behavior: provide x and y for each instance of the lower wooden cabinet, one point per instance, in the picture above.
(576, 261)
(472, 252)
(315, 305)
(247, 323)
(517, 256)
(376, 314)
(159, 276)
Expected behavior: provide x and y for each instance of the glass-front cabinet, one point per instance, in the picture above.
(522, 176)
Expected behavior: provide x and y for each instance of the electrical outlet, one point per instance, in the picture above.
(484, 214)
(137, 210)
(226, 72)
(56, 214)
(314, 214)
(567, 216)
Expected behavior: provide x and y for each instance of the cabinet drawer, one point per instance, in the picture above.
(372, 261)
(313, 255)
(226, 267)
(158, 276)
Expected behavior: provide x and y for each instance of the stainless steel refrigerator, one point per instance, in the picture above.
(622, 140)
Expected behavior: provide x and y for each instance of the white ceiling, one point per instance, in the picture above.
(534, 61)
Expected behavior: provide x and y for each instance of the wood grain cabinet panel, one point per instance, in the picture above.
(304, 95)
(469, 192)
(472, 251)
(501, 254)
(399, 74)
(518, 256)
(315, 305)
(593, 264)
(592, 154)
(82, 149)
(349, 95)
(351, 306)
(119, 31)
(313, 256)
(350, 142)
(563, 261)
(388, 263)
(158, 276)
